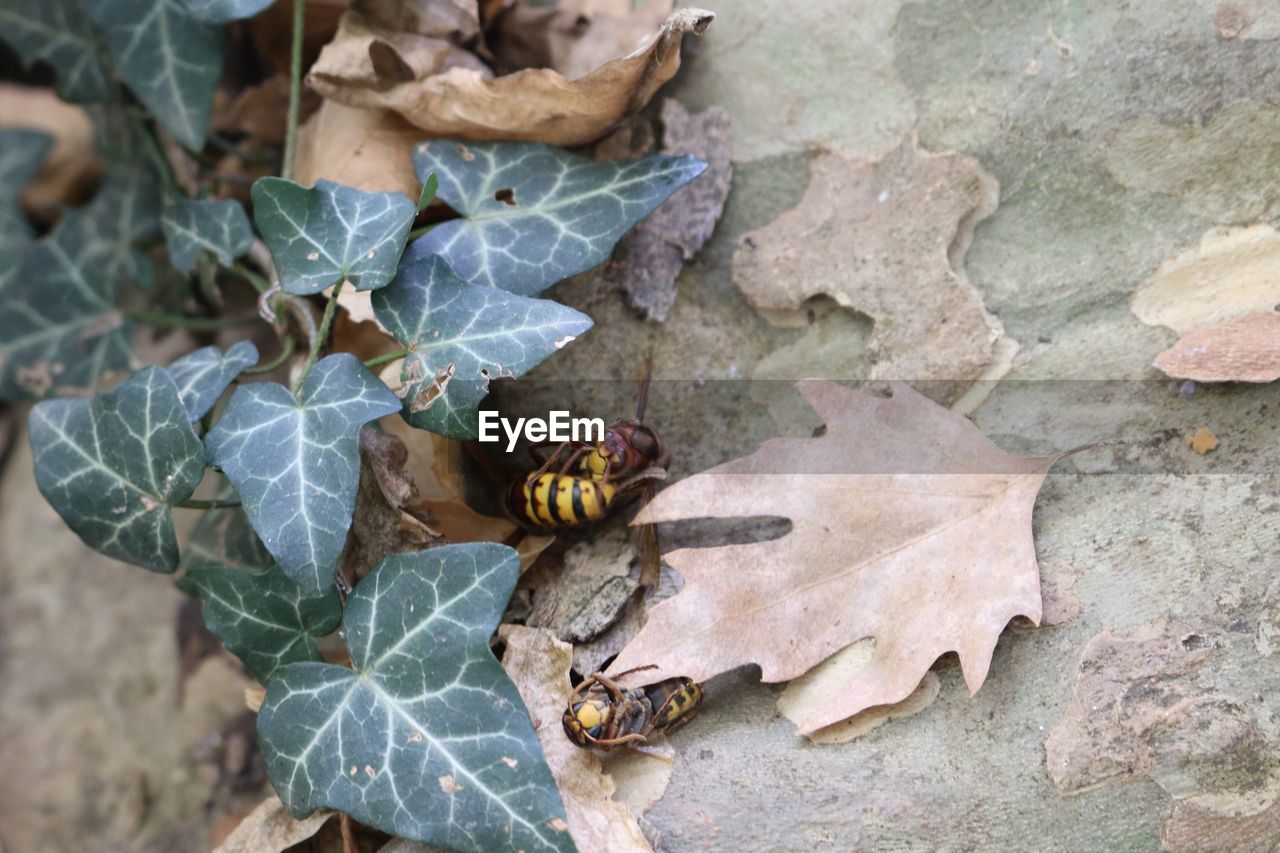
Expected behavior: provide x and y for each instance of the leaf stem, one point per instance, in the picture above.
(387, 358)
(286, 350)
(192, 503)
(295, 89)
(195, 324)
(330, 309)
(258, 280)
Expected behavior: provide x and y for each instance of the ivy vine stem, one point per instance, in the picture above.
(330, 308)
(254, 278)
(286, 350)
(295, 89)
(387, 358)
(194, 503)
(195, 324)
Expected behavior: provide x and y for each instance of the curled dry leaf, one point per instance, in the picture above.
(909, 527)
(815, 688)
(648, 260)
(374, 51)
(536, 104)
(270, 829)
(1230, 274)
(72, 169)
(574, 37)
(862, 231)
(538, 663)
(1246, 349)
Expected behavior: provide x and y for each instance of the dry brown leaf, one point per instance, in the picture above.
(73, 167)
(1246, 349)
(270, 829)
(375, 53)
(365, 149)
(1230, 274)
(574, 37)
(650, 257)
(260, 111)
(886, 238)
(536, 104)
(538, 663)
(380, 524)
(909, 527)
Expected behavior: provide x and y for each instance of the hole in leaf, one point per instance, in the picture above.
(506, 195)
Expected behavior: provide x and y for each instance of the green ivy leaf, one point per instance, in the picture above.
(224, 537)
(168, 58)
(330, 233)
(21, 153)
(295, 461)
(203, 375)
(428, 193)
(463, 336)
(533, 214)
(192, 228)
(113, 465)
(427, 738)
(60, 330)
(58, 32)
(226, 11)
(264, 619)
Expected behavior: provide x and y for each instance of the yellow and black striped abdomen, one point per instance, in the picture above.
(557, 501)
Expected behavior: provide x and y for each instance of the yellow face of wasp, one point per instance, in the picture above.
(585, 721)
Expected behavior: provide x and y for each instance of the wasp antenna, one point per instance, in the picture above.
(644, 387)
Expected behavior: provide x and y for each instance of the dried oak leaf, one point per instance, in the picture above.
(887, 238)
(648, 260)
(1246, 349)
(538, 663)
(909, 527)
(270, 829)
(536, 104)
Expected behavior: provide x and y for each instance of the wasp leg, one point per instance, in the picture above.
(577, 454)
(657, 752)
(610, 743)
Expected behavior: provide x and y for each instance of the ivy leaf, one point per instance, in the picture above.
(194, 227)
(226, 11)
(429, 189)
(203, 375)
(533, 214)
(21, 153)
(113, 465)
(58, 32)
(60, 330)
(224, 537)
(295, 461)
(125, 211)
(168, 58)
(330, 233)
(427, 738)
(264, 619)
(462, 336)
